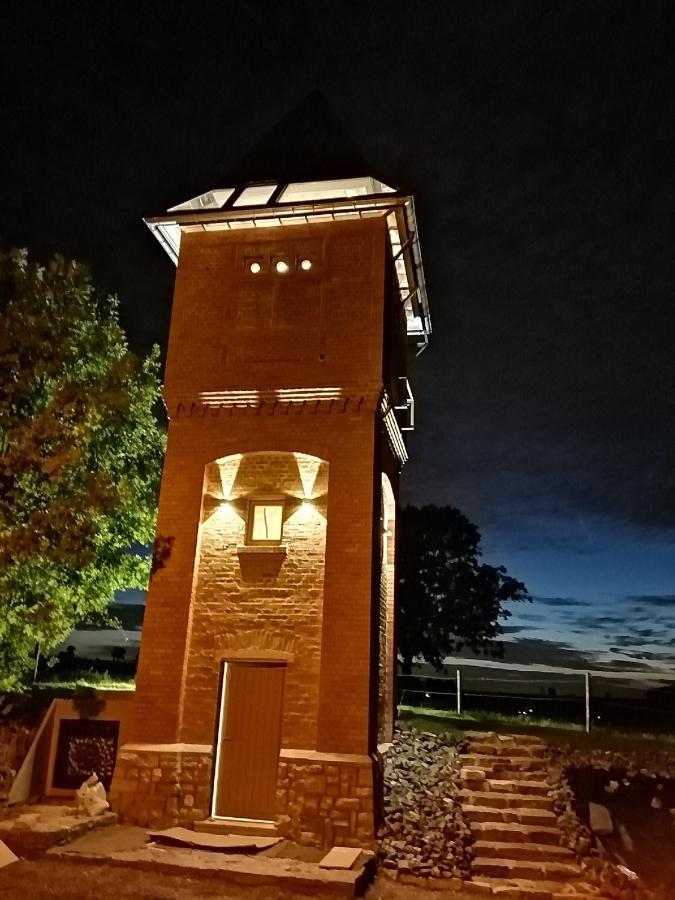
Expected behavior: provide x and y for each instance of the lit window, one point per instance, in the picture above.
(256, 195)
(305, 264)
(209, 200)
(265, 521)
(281, 266)
(338, 189)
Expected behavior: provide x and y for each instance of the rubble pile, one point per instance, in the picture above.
(615, 881)
(578, 838)
(424, 831)
(649, 761)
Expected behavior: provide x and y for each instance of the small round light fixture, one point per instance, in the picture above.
(254, 268)
(305, 264)
(281, 266)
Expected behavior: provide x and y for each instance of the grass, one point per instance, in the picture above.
(101, 681)
(561, 733)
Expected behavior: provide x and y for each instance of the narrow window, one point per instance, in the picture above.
(265, 521)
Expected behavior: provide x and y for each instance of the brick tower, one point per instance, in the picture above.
(266, 673)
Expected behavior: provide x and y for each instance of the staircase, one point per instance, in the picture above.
(518, 844)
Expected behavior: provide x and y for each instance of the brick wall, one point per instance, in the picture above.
(273, 599)
(322, 332)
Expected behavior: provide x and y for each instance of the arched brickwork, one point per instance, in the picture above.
(258, 603)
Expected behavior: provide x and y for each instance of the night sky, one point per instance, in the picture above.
(539, 139)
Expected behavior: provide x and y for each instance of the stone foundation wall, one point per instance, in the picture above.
(327, 799)
(162, 785)
(322, 799)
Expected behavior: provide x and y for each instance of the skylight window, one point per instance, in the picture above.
(339, 189)
(209, 200)
(256, 195)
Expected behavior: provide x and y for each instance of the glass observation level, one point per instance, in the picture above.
(269, 205)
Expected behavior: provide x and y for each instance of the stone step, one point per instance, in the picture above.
(515, 850)
(514, 832)
(502, 800)
(491, 737)
(508, 786)
(520, 814)
(507, 749)
(582, 891)
(525, 869)
(523, 889)
(516, 889)
(490, 763)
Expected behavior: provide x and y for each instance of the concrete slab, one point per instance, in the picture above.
(340, 858)
(225, 843)
(288, 874)
(6, 855)
(114, 839)
(31, 829)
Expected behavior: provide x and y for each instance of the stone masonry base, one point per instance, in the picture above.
(161, 785)
(327, 799)
(323, 799)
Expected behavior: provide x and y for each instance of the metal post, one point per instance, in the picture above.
(588, 701)
(459, 693)
(37, 661)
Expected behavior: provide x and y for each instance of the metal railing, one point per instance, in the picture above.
(643, 701)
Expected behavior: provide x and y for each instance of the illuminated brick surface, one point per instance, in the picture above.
(306, 351)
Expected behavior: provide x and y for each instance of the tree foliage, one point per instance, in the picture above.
(80, 456)
(448, 598)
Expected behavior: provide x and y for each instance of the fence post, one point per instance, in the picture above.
(459, 693)
(587, 681)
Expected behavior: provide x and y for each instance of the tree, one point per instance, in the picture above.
(80, 456)
(447, 598)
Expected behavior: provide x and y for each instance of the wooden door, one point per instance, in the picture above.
(248, 741)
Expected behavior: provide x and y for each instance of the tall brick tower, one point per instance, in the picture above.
(266, 672)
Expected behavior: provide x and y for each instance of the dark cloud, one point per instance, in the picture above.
(590, 622)
(647, 655)
(544, 652)
(666, 601)
(518, 629)
(560, 601)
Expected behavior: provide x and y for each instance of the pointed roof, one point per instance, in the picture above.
(309, 143)
(308, 169)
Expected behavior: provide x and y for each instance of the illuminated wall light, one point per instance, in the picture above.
(308, 469)
(255, 267)
(305, 264)
(281, 266)
(228, 468)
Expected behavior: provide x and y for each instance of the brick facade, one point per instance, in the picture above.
(273, 387)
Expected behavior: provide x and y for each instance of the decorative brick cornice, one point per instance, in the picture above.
(286, 402)
(268, 408)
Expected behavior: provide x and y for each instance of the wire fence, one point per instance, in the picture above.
(547, 695)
